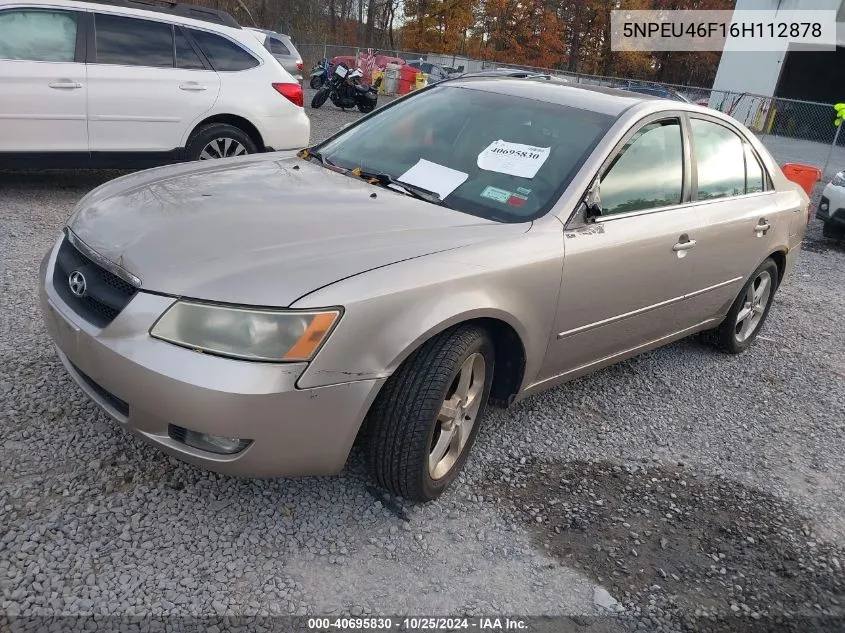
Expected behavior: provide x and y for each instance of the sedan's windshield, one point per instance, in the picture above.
(488, 154)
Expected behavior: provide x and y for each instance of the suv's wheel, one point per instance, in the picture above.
(219, 140)
(424, 421)
(748, 312)
(828, 230)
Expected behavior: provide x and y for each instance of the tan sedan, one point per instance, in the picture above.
(470, 244)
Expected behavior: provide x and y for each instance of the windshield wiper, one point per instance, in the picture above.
(386, 180)
(307, 154)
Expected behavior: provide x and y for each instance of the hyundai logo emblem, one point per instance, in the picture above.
(77, 283)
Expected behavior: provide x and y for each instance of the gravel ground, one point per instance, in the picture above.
(681, 490)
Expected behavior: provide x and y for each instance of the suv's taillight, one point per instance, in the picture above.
(291, 92)
(299, 64)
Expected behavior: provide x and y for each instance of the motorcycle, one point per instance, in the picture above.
(319, 74)
(346, 91)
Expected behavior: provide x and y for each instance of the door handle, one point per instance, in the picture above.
(684, 243)
(762, 227)
(65, 85)
(191, 85)
(684, 246)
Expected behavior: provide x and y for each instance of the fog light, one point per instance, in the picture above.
(215, 443)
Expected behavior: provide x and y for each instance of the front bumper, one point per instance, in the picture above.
(147, 385)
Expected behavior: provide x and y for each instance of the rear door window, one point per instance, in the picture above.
(720, 160)
(133, 42)
(38, 36)
(223, 54)
(186, 56)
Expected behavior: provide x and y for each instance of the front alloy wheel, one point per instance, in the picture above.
(423, 423)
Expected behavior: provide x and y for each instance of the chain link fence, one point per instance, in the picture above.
(794, 131)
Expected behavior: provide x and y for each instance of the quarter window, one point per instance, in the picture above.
(132, 42)
(649, 171)
(38, 36)
(720, 160)
(223, 54)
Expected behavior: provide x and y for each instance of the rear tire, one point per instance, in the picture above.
(748, 313)
(320, 98)
(416, 437)
(366, 107)
(219, 140)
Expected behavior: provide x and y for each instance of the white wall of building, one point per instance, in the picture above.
(757, 73)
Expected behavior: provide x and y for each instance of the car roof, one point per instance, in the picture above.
(609, 101)
(178, 13)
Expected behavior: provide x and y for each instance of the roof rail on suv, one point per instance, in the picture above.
(176, 8)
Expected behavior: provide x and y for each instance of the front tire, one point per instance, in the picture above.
(424, 421)
(320, 98)
(316, 82)
(748, 312)
(219, 140)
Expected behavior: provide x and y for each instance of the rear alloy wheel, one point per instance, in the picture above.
(748, 312)
(424, 421)
(219, 140)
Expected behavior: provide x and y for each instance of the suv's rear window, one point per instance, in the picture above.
(133, 42)
(276, 46)
(223, 54)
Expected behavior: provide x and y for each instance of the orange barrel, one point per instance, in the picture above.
(805, 175)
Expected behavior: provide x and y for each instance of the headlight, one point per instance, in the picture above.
(838, 179)
(265, 335)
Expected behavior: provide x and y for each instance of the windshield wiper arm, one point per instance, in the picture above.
(308, 153)
(386, 180)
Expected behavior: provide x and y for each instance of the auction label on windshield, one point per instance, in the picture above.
(742, 30)
(514, 159)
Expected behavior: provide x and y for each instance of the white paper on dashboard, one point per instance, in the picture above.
(440, 179)
(514, 159)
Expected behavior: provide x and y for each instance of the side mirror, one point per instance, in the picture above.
(592, 201)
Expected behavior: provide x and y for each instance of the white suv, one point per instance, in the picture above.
(121, 83)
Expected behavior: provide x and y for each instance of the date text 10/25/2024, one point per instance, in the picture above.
(417, 624)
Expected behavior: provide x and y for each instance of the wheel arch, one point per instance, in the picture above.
(508, 345)
(231, 119)
(779, 257)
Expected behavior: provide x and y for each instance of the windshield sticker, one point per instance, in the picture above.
(522, 191)
(434, 177)
(499, 195)
(517, 200)
(514, 159)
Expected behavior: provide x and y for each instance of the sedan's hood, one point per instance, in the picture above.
(263, 229)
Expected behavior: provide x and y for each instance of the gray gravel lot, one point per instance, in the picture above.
(681, 490)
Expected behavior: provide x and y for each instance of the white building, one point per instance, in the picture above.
(747, 80)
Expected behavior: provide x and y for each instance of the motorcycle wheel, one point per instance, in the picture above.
(316, 82)
(320, 98)
(366, 107)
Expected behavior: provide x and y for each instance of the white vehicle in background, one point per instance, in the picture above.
(281, 47)
(831, 209)
(131, 83)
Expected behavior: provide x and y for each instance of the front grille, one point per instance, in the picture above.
(105, 294)
(116, 403)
